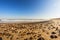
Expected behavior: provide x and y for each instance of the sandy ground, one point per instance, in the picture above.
(45, 30)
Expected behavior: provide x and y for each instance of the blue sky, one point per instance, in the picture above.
(30, 9)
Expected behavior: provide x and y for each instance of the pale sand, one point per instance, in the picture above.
(43, 30)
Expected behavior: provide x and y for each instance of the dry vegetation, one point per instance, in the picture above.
(46, 30)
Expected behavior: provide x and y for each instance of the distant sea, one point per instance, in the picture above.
(20, 20)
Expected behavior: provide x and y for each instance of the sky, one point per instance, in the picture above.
(30, 9)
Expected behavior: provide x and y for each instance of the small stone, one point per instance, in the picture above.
(53, 33)
(41, 38)
(28, 33)
(0, 38)
(30, 38)
(25, 39)
(53, 36)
